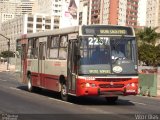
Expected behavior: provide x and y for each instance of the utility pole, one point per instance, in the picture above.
(8, 43)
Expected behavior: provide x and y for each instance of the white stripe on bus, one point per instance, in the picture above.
(84, 77)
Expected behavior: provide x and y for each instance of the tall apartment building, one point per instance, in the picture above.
(142, 13)
(116, 12)
(51, 7)
(23, 25)
(132, 13)
(26, 7)
(95, 11)
(153, 13)
(84, 12)
(13, 8)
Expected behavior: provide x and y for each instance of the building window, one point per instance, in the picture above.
(38, 26)
(48, 20)
(30, 19)
(47, 26)
(30, 25)
(39, 19)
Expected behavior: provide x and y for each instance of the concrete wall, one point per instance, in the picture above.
(149, 80)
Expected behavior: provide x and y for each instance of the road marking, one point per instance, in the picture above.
(138, 103)
(98, 111)
(60, 100)
(13, 88)
(3, 80)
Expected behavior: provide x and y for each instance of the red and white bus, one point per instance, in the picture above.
(81, 61)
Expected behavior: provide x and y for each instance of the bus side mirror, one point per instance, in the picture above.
(78, 57)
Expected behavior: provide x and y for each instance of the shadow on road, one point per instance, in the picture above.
(79, 100)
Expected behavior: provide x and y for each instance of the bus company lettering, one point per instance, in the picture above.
(118, 32)
(57, 63)
(99, 71)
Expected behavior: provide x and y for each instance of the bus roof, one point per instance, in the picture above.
(68, 30)
(85, 29)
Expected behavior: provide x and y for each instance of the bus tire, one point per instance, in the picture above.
(29, 84)
(64, 95)
(112, 99)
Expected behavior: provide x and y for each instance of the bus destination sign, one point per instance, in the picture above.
(106, 30)
(113, 31)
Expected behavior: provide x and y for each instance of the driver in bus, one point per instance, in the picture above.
(116, 53)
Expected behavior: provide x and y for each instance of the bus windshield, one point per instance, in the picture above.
(102, 55)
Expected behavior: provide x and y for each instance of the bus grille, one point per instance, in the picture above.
(111, 86)
(111, 79)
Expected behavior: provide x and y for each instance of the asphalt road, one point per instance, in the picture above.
(16, 103)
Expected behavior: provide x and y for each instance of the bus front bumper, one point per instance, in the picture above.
(97, 91)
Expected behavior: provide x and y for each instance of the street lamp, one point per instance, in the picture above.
(8, 43)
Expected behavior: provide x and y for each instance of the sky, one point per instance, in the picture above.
(142, 12)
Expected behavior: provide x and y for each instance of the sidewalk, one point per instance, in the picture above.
(154, 97)
(3, 67)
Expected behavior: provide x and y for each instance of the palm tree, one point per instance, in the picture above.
(148, 35)
(148, 52)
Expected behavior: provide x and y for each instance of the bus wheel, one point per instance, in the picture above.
(64, 94)
(30, 87)
(112, 99)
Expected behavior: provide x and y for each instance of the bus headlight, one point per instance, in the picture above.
(133, 84)
(87, 85)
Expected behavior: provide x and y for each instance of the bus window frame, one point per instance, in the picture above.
(32, 47)
(49, 46)
(63, 47)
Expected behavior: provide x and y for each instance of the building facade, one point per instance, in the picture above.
(153, 13)
(115, 12)
(84, 12)
(52, 7)
(23, 25)
(13, 8)
(132, 13)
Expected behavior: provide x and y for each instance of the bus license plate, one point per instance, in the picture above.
(130, 90)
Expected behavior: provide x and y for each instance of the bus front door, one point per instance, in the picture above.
(24, 63)
(41, 63)
(71, 69)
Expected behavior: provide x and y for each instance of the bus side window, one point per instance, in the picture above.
(48, 46)
(53, 48)
(29, 49)
(63, 47)
(44, 51)
(33, 48)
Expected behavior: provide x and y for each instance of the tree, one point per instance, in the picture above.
(5, 54)
(148, 53)
(148, 35)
